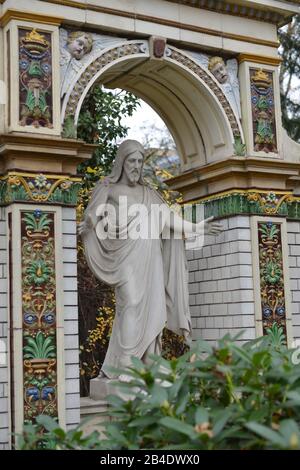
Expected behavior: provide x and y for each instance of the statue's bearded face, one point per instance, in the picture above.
(132, 167)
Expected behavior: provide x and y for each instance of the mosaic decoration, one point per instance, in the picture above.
(35, 73)
(20, 187)
(263, 111)
(271, 203)
(251, 202)
(271, 275)
(39, 314)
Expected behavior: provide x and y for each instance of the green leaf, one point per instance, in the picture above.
(220, 420)
(201, 415)
(266, 433)
(143, 421)
(241, 353)
(47, 422)
(115, 401)
(294, 397)
(179, 426)
(182, 401)
(158, 395)
(114, 432)
(290, 432)
(60, 433)
(138, 364)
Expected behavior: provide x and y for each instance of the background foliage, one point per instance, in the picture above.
(100, 122)
(289, 37)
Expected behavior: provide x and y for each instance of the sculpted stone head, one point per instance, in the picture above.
(132, 167)
(218, 68)
(79, 43)
(129, 160)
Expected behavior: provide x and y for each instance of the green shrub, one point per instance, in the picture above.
(229, 397)
(46, 434)
(234, 397)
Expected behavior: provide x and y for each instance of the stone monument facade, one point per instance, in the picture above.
(211, 72)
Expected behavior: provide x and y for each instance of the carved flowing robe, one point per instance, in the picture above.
(150, 280)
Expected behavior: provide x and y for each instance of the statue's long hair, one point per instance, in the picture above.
(126, 148)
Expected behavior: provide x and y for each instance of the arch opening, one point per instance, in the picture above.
(184, 95)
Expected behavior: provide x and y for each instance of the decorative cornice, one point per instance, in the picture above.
(230, 192)
(39, 188)
(165, 22)
(44, 140)
(259, 59)
(274, 166)
(239, 8)
(250, 202)
(236, 174)
(230, 7)
(20, 152)
(12, 14)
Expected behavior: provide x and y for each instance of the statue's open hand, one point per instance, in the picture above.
(85, 225)
(209, 227)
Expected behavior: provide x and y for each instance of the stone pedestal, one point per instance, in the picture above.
(102, 387)
(92, 414)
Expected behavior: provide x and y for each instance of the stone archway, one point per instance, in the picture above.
(186, 96)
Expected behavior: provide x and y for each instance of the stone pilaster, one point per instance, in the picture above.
(38, 195)
(4, 320)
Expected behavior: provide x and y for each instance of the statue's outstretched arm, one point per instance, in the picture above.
(186, 228)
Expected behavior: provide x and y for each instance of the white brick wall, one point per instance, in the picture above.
(293, 229)
(4, 415)
(71, 317)
(221, 285)
(221, 282)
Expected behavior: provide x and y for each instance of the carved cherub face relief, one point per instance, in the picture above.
(79, 44)
(218, 68)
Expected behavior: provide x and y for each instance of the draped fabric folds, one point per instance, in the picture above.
(150, 280)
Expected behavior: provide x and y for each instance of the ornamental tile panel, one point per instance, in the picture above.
(35, 82)
(39, 314)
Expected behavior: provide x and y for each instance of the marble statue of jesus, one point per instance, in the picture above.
(135, 243)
